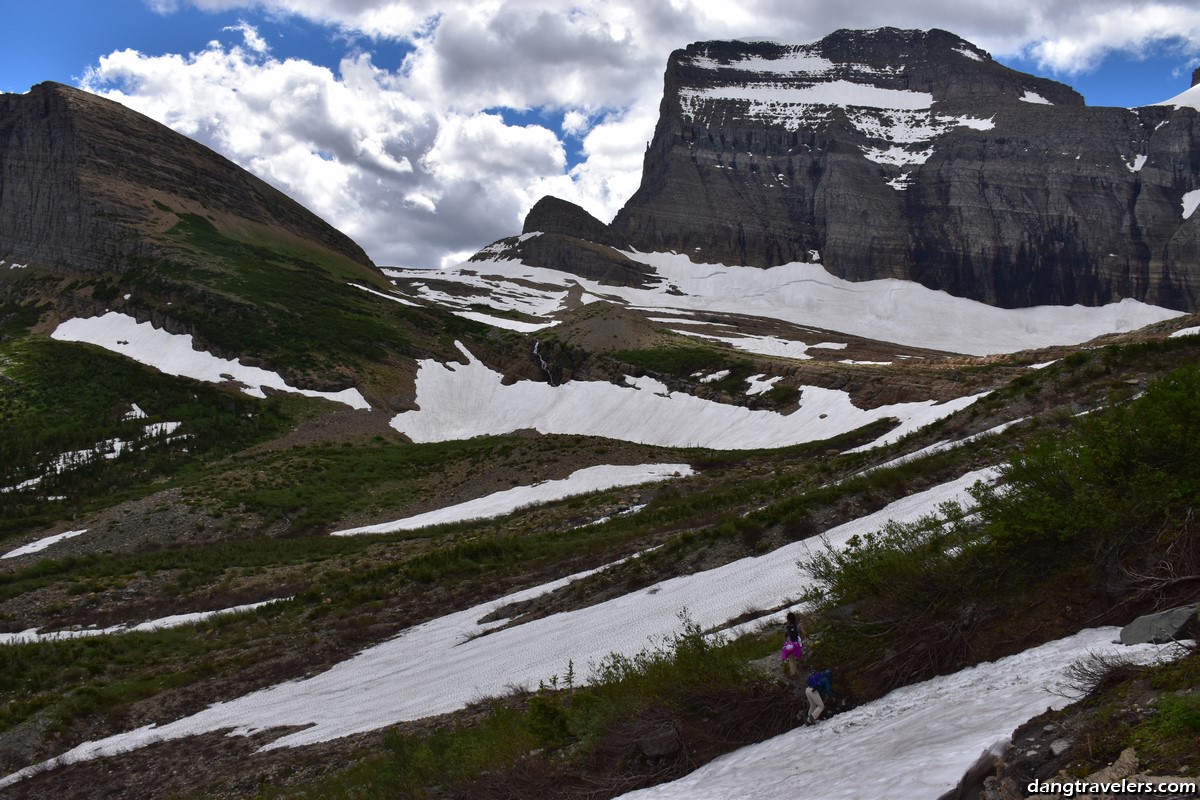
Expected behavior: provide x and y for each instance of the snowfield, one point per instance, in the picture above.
(916, 742)
(460, 401)
(172, 621)
(581, 481)
(42, 544)
(175, 354)
(806, 294)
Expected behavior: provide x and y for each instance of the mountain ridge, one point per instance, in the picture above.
(914, 155)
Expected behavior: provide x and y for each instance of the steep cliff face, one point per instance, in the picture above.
(80, 177)
(914, 155)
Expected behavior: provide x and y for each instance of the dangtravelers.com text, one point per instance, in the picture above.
(1073, 788)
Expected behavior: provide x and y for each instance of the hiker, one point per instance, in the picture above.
(793, 644)
(819, 691)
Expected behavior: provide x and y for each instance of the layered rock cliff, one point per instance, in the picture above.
(80, 177)
(914, 155)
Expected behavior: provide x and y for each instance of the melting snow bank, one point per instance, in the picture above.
(42, 544)
(174, 354)
(444, 664)
(460, 402)
(915, 742)
(173, 621)
(582, 481)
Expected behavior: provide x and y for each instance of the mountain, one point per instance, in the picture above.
(914, 155)
(86, 183)
(104, 211)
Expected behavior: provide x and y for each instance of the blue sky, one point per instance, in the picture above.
(426, 128)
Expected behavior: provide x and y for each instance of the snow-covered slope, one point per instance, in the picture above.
(903, 745)
(459, 402)
(175, 354)
(806, 294)
(914, 743)
(582, 481)
(434, 668)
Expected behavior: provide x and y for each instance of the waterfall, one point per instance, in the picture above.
(545, 367)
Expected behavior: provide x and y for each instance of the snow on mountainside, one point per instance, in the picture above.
(913, 154)
(174, 354)
(800, 89)
(805, 294)
(460, 402)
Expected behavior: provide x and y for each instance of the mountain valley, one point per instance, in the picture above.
(276, 521)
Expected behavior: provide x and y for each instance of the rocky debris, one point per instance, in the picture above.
(85, 183)
(1163, 627)
(905, 154)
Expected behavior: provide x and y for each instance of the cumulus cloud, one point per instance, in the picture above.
(418, 163)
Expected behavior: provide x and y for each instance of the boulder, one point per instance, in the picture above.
(1162, 627)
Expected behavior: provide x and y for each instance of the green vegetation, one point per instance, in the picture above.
(63, 398)
(1103, 507)
(293, 307)
(103, 675)
(1075, 536)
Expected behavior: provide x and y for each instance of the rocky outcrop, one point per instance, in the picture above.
(561, 235)
(914, 155)
(84, 181)
(555, 216)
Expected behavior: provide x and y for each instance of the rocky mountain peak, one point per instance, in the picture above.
(914, 155)
(556, 216)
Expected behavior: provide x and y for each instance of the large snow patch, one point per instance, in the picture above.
(460, 401)
(175, 354)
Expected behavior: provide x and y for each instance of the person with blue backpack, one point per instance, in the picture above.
(819, 691)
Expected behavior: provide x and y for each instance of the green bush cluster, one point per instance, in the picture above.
(1076, 510)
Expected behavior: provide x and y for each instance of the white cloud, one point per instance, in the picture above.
(1079, 40)
(250, 34)
(418, 165)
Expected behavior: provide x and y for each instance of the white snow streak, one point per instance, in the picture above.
(1190, 201)
(162, 623)
(42, 544)
(174, 354)
(1138, 162)
(582, 481)
(829, 93)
